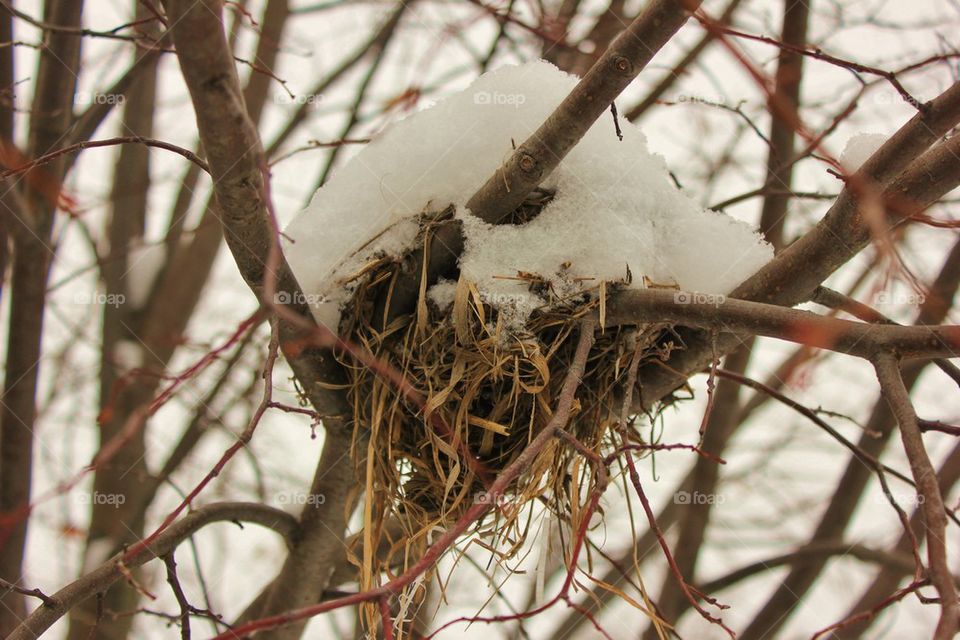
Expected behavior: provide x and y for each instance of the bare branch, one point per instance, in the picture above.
(108, 142)
(539, 155)
(803, 327)
(98, 580)
(49, 120)
(237, 164)
(901, 563)
(795, 273)
(932, 507)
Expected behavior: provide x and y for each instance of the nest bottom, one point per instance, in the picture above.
(455, 398)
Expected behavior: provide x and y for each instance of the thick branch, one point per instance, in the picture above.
(236, 162)
(795, 273)
(30, 227)
(237, 165)
(803, 327)
(856, 476)
(540, 154)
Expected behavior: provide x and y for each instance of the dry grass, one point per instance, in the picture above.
(474, 393)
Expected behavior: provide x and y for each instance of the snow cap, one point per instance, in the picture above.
(615, 207)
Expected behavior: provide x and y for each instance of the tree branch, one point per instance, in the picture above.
(932, 507)
(803, 327)
(237, 165)
(905, 172)
(98, 580)
(854, 480)
(30, 228)
(540, 154)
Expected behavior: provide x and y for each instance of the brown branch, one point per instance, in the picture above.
(376, 43)
(8, 102)
(57, 69)
(108, 142)
(675, 571)
(33, 593)
(878, 431)
(801, 49)
(236, 162)
(839, 302)
(812, 416)
(899, 562)
(932, 507)
(905, 172)
(607, 26)
(98, 580)
(886, 582)
(235, 157)
(87, 123)
(171, 565)
(563, 57)
(538, 155)
(764, 191)
(125, 227)
(56, 27)
(672, 601)
(726, 421)
(803, 327)
(865, 616)
(782, 132)
(353, 115)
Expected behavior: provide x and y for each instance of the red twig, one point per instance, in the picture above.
(652, 519)
(133, 424)
(108, 142)
(241, 442)
(871, 613)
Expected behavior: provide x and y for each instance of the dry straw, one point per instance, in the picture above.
(473, 394)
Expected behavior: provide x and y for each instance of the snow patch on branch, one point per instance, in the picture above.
(859, 148)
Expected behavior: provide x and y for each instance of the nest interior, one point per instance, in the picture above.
(468, 392)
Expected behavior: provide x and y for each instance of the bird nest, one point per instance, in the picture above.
(456, 393)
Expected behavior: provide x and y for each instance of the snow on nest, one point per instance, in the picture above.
(615, 206)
